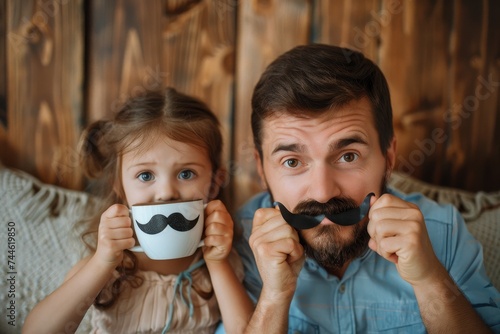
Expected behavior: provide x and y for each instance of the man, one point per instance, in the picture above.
(322, 126)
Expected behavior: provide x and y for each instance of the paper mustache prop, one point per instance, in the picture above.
(346, 218)
(159, 222)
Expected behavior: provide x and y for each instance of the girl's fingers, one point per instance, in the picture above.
(116, 210)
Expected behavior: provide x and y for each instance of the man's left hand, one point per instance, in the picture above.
(398, 233)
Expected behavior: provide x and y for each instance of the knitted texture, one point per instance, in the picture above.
(48, 244)
(45, 242)
(480, 210)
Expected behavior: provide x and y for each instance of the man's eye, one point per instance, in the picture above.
(186, 174)
(146, 176)
(349, 157)
(292, 163)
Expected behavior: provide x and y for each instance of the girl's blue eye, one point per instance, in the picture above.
(146, 176)
(186, 174)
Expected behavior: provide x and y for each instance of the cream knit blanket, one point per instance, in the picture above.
(46, 243)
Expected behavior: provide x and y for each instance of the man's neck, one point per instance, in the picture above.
(338, 272)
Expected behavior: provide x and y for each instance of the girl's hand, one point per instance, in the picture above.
(218, 232)
(115, 234)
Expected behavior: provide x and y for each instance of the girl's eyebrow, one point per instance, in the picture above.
(151, 163)
(139, 164)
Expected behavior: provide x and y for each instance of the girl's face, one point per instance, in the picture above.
(167, 170)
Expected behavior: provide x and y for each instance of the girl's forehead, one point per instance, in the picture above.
(147, 144)
(165, 149)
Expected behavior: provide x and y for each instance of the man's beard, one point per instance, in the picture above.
(331, 251)
(326, 245)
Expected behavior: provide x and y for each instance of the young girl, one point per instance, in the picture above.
(159, 147)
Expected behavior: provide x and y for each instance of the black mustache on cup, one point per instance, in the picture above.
(159, 222)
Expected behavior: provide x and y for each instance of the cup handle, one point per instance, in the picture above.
(202, 242)
(137, 248)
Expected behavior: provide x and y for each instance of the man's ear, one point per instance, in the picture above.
(391, 157)
(260, 168)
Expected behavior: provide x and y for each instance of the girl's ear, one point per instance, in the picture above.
(219, 180)
(118, 190)
(118, 183)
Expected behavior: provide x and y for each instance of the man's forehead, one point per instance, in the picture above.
(362, 104)
(292, 133)
(288, 122)
(332, 146)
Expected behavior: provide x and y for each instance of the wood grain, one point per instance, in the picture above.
(4, 154)
(472, 155)
(266, 29)
(414, 57)
(124, 53)
(45, 75)
(441, 59)
(356, 25)
(198, 39)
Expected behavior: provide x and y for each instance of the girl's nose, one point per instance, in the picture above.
(167, 192)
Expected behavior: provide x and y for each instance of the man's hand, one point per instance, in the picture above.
(398, 233)
(278, 254)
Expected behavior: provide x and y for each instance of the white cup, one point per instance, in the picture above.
(168, 230)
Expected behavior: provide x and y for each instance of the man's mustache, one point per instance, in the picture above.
(159, 222)
(341, 211)
(333, 206)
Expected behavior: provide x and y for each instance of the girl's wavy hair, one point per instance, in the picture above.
(137, 124)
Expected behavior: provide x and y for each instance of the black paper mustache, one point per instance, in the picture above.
(346, 218)
(159, 222)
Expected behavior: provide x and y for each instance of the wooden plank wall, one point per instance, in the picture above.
(3, 78)
(66, 63)
(137, 45)
(43, 45)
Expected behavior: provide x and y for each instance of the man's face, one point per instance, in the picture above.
(333, 162)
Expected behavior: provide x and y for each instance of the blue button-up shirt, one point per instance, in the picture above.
(371, 297)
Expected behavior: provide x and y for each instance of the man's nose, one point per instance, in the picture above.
(323, 185)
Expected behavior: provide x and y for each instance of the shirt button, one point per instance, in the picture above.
(342, 288)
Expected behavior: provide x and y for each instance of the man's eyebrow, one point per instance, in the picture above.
(338, 145)
(343, 143)
(288, 148)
